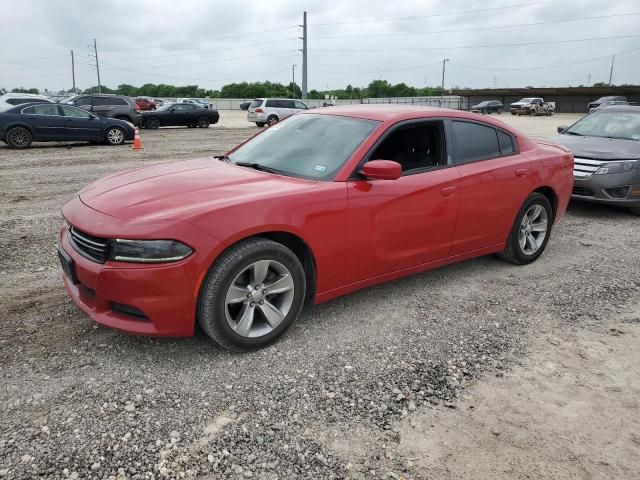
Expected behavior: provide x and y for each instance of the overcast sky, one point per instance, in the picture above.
(211, 43)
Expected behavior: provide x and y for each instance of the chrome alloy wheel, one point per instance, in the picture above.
(115, 136)
(533, 229)
(259, 298)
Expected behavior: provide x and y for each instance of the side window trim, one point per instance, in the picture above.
(389, 131)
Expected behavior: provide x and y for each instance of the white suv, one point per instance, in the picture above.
(267, 111)
(10, 100)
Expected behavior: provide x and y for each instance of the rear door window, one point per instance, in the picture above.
(474, 142)
(272, 103)
(46, 109)
(82, 101)
(287, 104)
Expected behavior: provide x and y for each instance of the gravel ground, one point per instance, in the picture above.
(81, 401)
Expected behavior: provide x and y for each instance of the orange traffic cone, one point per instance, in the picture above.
(137, 143)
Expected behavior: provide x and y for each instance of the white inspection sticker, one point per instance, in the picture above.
(320, 168)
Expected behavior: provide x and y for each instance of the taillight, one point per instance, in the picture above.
(137, 109)
(259, 110)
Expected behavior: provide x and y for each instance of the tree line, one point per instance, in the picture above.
(377, 88)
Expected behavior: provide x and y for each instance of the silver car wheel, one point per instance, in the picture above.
(533, 229)
(259, 298)
(115, 136)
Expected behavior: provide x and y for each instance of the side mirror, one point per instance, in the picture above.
(562, 129)
(381, 170)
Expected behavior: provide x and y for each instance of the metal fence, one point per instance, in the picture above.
(450, 101)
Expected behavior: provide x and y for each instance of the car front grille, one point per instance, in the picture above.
(585, 167)
(582, 192)
(93, 248)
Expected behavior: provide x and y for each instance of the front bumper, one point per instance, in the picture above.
(158, 300)
(597, 189)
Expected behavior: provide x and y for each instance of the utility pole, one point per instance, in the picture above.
(613, 59)
(304, 55)
(293, 84)
(588, 80)
(444, 63)
(97, 65)
(73, 72)
(495, 82)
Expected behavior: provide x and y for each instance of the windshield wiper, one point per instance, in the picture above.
(260, 167)
(569, 132)
(222, 158)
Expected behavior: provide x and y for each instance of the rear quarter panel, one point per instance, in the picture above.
(556, 171)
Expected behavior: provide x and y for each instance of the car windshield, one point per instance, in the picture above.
(525, 100)
(622, 125)
(165, 106)
(483, 104)
(306, 146)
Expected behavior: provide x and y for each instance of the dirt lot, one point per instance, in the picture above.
(480, 370)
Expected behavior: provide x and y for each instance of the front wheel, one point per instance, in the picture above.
(499, 111)
(152, 123)
(530, 232)
(19, 137)
(252, 294)
(114, 136)
(204, 122)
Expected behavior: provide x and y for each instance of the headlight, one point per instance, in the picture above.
(148, 251)
(616, 167)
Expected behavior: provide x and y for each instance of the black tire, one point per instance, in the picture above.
(260, 124)
(152, 123)
(513, 252)
(635, 210)
(483, 111)
(499, 111)
(19, 137)
(212, 300)
(272, 120)
(204, 122)
(114, 136)
(513, 113)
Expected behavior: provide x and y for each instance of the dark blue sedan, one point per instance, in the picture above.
(52, 122)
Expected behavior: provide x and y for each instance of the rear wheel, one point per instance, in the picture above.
(114, 136)
(483, 111)
(260, 124)
(19, 137)
(252, 294)
(152, 122)
(530, 232)
(204, 122)
(272, 120)
(499, 111)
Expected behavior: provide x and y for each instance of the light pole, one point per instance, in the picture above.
(444, 64)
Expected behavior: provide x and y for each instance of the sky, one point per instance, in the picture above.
(489, 43)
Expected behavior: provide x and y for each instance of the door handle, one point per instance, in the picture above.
(522, 172)
(448, 191)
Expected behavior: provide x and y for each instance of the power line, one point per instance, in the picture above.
(473, 29)
(191, 42)
(414, 17)
(415, 67)
(377, 50)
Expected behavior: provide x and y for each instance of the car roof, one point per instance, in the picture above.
(384, 113)
(30, 104)
(621, 108)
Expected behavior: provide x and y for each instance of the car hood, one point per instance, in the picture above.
(600, 148)
(176, 189)
(520, 103)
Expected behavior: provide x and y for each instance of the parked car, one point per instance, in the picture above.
(610, 98)
(606, 145)
(269, 111)
(245, 105)
(532, 106)
(158, 102)
(488, 106)
(104, 105)
(608, 103)
(10, 100)
(195, 101)
(180, 114)
(52, 122)
(145, 104)
(331, 201)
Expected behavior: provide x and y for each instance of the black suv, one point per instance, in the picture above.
(112, 106)
(488, 106)
(611, 98)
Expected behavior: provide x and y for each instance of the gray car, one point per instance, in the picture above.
(269, 111)
(112, 106)
(606, 147)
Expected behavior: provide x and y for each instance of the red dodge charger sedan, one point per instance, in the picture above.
(324, 203)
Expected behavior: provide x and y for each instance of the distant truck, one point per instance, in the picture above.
(532, 106)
